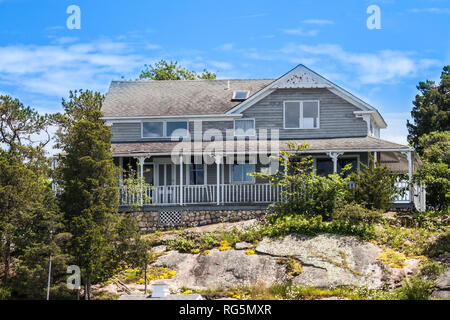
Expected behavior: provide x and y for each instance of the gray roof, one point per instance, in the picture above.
(175, 97)
(348, 144)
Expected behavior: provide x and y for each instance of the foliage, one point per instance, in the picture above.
(373, 186)
(294, 267)
(88, 178)
(357, 213)
(30, 220)
(164, 70)
(435, 170)
(415, 288)
(431, 111)
(137, 185)
(303, 192)
(432, 269)
(392, 259)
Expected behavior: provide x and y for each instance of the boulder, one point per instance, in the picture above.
(442, 286)
(222, 269)
(243, 245)
(330, 260)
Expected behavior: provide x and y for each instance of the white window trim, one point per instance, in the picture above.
(241, 182)
(300, 121)
(164, 122)
(244, 135)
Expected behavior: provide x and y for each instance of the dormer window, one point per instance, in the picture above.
(240, 95)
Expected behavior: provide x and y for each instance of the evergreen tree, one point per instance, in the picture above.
(88, 178)
(431, 111)
(29, 215)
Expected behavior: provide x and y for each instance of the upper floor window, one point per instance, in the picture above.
(164, 129)
(301, 114)
(244, 127)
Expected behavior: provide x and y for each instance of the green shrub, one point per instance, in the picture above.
(302, 191)
(182, 245)
(355, 212)
(5, 293)
(208, 240)
(374, 187)
(415, 289)
(432, 269)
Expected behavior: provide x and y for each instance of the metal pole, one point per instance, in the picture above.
(49, 274)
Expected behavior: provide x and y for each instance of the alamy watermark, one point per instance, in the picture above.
(74, 20)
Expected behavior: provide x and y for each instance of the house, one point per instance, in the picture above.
(195, 141)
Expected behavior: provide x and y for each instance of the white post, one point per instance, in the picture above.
(334, 156)
(375, 159)
(141, 176)
(121, 171)
(410, 173)
(218, 179)
(181, 180)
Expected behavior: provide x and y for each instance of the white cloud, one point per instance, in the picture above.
(318, 21)
(396, 130)
(221, 65)
(56, 69)
(385, 66)
(301, 32)
(226, 47)
(431, 10)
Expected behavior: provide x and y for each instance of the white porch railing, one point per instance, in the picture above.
(229, 194)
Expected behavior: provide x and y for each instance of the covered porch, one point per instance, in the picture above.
(218, 178)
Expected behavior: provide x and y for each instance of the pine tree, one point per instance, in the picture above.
(431, 111)
(88, 178)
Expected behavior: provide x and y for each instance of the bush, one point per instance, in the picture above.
(355, 212)
(435, 170)
(416, 289)
(374, 187)
(304, 192)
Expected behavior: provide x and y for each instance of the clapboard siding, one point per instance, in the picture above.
(336, 119)
(126, 131)
(336, 115)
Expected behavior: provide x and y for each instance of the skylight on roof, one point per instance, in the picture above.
(240, 95)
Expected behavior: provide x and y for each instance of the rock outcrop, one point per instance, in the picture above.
(327, 261)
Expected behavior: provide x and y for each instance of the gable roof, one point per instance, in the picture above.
(303, 77)
(175, 97)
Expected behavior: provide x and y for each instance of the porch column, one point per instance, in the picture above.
(375, 159)
(181, 180)
(141, 178)
(410, 173)
(121, 171)
(218, 160)
(334, 156)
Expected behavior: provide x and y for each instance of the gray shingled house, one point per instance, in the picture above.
(195, 141)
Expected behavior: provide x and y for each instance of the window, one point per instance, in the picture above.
(324, 167)
(342, 162)
(240, 172)
(244, 127)
(164, 129)
(152, 129)
(301, 114)
(177, 129)
(240, 95)
(197, 174)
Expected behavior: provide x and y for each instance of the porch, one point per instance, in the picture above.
(221, 178)
(231, 194)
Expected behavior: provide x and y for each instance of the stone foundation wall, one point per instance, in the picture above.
(149, 221)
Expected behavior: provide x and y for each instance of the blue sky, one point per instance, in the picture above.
(41, 59)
